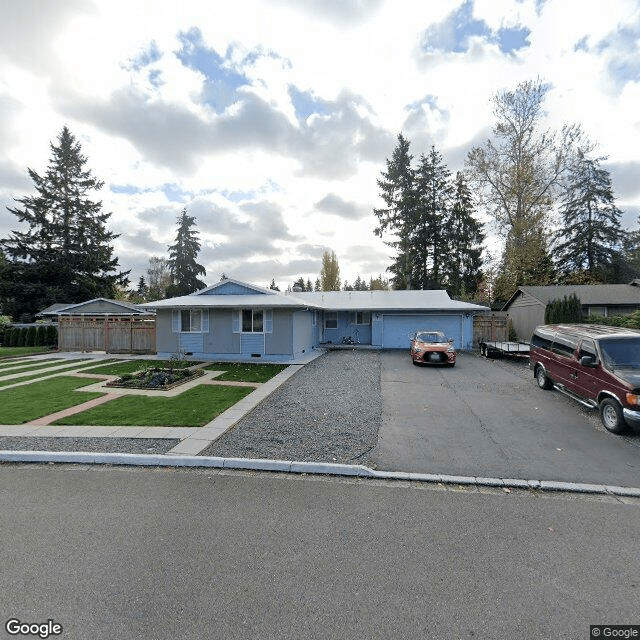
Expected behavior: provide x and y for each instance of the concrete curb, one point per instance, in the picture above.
(320, 468)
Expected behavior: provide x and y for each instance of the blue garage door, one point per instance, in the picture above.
(396, 328)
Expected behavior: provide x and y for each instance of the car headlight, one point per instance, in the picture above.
(451, 350)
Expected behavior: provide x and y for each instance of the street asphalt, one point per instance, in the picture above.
(489, 418)
(138, 553)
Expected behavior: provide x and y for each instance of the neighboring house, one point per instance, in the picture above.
(527, 305)
(107, 325)
(51, 312)
(234, 320)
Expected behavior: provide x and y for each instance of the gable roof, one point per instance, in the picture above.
(52, 310)
(102, 306)
(588, 294)
(239, 293)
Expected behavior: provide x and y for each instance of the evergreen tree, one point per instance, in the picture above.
(65, 253)
(317, 286)
(432, 201)
(308, 286)
(379, 284)
(299, 283)
(590, 234)
(465, 237)
(142, 289)
(182, 259)
(398, 218)
(347, 286)
(359, 284)
(273, 286)
(330, 273)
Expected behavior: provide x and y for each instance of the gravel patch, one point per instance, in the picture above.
(330, 411)
(101, 445)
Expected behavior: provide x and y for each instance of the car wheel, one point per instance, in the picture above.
(543, 380)
(611, 416)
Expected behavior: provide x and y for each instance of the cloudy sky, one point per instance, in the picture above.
(271, 120)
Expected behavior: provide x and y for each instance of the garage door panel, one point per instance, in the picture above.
(396, 328)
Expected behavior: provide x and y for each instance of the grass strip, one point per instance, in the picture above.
(193, 408)
(129, 366)
(33, 367)
(245, 371)
(32, 401)
(10, 364)
(12, 352)
(42, 374)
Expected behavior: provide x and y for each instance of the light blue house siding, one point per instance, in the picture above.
(347, 327)
(290, 333)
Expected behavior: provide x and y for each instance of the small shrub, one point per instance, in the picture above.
(30, 337)
(21, 336)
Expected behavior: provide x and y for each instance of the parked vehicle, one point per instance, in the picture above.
(596, 365)
(432, 347)
(497, 348)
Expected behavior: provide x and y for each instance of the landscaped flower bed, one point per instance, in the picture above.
(156, 378)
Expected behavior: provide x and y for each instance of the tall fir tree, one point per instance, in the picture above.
(589, 239)
(65, 253)
(432, 202)
(398, 218)
(182, 259)
(465, 237)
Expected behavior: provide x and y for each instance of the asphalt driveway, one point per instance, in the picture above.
(489, 418)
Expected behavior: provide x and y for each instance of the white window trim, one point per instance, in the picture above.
(326, 317)
(362, 313)
(192, 311)
(267, 320)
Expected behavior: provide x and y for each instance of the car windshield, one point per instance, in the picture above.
(430, 336)
(618, 353)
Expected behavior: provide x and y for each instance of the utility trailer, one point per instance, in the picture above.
(497, 348)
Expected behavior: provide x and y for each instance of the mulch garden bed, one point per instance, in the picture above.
(156, 379)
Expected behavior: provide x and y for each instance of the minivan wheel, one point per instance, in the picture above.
(611, 416)
(543, 380)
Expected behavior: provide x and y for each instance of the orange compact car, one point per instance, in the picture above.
(432, 347)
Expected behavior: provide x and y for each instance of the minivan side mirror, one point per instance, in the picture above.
(588, 361)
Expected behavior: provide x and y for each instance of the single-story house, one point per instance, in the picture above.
(107, 325)
(234, 320)
(527, 305)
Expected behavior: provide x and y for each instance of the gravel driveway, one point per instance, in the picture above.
(330, 411)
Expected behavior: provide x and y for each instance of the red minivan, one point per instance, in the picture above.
(596, 365)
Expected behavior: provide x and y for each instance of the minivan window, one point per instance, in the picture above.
(621, 352)
(541, 340)
(588, 348)
(564, 345)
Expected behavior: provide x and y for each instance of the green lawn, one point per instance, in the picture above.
(32, 401)
(10, 352)
(193, 408)
(129, 366)
(42, 374)
(246, 371)
(58, 362)
(14, 364)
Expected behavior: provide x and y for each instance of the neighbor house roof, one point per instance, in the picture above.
(588, 294)
(248, 295)
(102, 306)
(53, 309)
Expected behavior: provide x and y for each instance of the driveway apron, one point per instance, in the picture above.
(482, 419)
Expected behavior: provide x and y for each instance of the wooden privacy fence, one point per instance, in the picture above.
(490, 327)
(129, 334)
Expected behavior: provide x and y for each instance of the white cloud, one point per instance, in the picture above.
(286, 165)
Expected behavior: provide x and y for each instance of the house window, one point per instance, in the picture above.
(252, 321)
(331, 320)
(363, 317)
(191, 321)
(598, 311)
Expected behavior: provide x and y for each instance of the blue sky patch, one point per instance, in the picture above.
(305, 104)
(222, 81)
(513, 39)
(124, 188)
(148, 56)
(452, 35)
(174, 194)
(238, 196)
